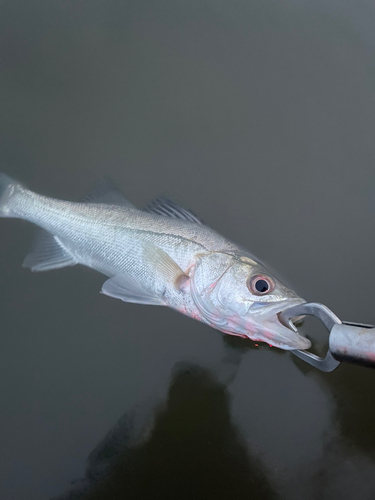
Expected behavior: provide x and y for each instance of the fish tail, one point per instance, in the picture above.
(8, 189)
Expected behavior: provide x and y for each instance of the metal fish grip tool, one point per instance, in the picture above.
(351, 342)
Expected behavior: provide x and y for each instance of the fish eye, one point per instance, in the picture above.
(260, 284)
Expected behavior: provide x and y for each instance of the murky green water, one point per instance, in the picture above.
(260, 116)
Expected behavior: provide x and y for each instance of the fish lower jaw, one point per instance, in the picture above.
(270, 331)
(277, 335)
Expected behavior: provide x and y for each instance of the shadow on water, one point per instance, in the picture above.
(234, 349)
(187, 448)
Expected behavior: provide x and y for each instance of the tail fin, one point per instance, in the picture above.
(8, 187)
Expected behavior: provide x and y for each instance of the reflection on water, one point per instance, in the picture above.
(353, 389)
(204, 442)
(349, 387)
(189, 449)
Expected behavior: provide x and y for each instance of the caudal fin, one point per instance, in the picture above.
(8, 188)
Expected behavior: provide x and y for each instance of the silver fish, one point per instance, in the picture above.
(163, 255)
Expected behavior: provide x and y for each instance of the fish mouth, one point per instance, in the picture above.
(276, 334)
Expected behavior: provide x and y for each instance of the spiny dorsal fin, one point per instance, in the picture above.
(168, 208)
(106, 192)
(47, 253)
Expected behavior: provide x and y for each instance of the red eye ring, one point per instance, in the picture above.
(260, 284)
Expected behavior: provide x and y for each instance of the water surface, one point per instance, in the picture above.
(259, 116)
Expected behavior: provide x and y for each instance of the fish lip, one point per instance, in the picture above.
(285, 338)
(275, 333)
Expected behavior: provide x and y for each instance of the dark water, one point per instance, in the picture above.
(258, 115)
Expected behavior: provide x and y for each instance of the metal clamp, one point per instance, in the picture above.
(352, 342)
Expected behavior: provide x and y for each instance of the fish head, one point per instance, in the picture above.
(239, 296)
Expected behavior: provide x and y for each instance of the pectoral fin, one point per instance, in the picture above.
(148, 279)
(164, 268)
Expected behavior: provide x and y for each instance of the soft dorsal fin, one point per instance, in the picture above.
(168, 208)
(107, 192)
(48, 253)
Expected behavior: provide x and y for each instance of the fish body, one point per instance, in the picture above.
(161, 256)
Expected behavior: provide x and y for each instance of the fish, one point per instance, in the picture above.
(162, 255)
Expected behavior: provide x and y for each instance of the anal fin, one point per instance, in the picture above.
(48, 253)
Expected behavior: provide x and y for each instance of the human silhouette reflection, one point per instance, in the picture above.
(190, 450)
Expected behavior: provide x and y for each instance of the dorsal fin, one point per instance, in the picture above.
(168, 208)
(107, 192)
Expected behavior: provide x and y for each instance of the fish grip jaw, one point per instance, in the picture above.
(329, 320)
(350, 342)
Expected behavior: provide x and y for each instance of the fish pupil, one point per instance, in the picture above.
(261, 286)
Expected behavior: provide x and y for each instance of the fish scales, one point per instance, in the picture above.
(164, 257)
